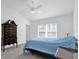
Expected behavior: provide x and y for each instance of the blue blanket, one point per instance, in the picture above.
(49, 45)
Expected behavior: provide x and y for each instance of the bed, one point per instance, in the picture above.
(49, 45)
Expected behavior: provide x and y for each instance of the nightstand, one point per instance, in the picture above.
(66, 53)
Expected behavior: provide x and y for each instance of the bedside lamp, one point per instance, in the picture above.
(67, 34)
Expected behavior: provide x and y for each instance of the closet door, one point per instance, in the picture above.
(27, 32)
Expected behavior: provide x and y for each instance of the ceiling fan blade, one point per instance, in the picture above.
(37, 7)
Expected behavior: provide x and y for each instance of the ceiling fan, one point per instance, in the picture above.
(33, 5)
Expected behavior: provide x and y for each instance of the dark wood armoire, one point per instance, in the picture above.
(9, 33)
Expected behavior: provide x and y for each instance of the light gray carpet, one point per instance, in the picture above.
(17, 53)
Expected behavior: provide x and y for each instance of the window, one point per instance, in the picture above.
(47, 30)
(42, 30)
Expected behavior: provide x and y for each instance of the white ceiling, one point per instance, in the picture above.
(50, 8)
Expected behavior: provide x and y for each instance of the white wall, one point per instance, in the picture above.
(75, 22)
(21, 22)
(64, 24)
